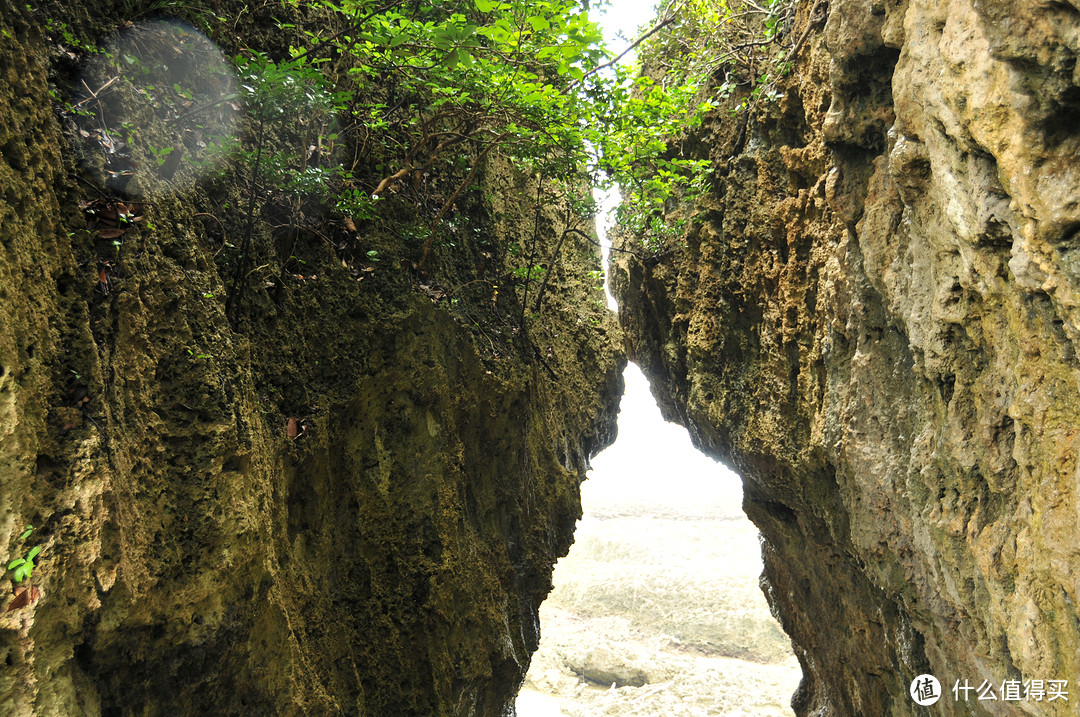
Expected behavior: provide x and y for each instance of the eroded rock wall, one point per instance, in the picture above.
(874, 319)
(201, 558)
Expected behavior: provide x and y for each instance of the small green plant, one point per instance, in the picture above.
(23, 568)
(596, 278)
(524, 272)
(59, 32)
(160, 154)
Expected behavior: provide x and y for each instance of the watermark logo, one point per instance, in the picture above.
(1011, 691)
(925, 690)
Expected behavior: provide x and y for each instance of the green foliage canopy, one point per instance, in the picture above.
(447, 82)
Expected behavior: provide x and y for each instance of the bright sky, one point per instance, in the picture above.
(624, 16)
(652, 461)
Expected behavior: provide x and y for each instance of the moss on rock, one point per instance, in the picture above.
(874, 322)
(346, 498)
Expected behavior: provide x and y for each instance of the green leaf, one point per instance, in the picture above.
(29, 529)
(16, 563)
(485, 5)
(442, 39)
(33, 553)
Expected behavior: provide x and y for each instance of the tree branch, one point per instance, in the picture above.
(352, 26)
(668, 19)
(592, 241)
(457, 192)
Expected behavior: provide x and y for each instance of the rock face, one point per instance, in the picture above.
(347, 499)
(874, 318)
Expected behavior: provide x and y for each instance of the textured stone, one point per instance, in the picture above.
(874, 319)
(387, 559)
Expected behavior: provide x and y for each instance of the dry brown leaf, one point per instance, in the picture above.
(111, 233)
(22, 599)
(292, 428)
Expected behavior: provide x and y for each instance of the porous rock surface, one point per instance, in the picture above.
(385, 552)
(874, 318)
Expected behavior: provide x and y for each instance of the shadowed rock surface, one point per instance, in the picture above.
(874, 319)
(384, 552)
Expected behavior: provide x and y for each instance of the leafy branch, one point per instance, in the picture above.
(426, 94)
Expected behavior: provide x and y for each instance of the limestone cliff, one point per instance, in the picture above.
(344, 498)
(874, 318)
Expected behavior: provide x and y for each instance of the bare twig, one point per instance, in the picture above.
(453, 198)
(592, 241)
(532, 249)
(550, 270)
(400, 174)
(94, 95)
(806, 33)
(233, 300)
(405, 171)
(757, 7)
(459, 287)
(262, 266)
(224, 239)
(667, 20)
(221, 100)
(350, 27)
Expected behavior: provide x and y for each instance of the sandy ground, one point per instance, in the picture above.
(657, 611)
(668, 611)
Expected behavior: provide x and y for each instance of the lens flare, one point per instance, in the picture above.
(155, 109)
